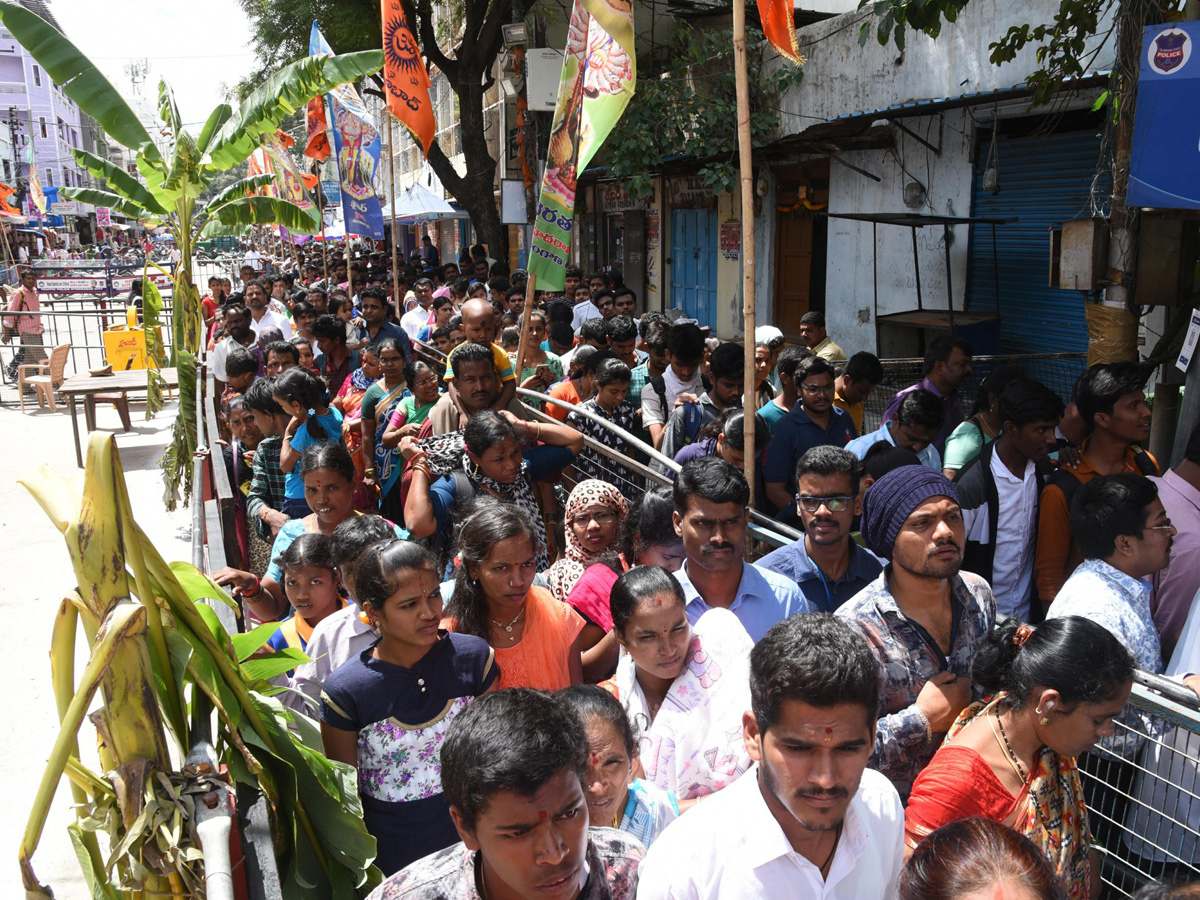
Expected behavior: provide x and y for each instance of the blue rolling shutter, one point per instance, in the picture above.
(1044, 180)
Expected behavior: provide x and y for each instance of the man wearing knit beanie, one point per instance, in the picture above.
(922, 617)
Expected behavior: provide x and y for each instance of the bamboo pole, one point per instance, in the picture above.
(392, 187)
(526, 317)
(746, 165)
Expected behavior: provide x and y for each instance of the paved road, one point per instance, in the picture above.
(34, 557)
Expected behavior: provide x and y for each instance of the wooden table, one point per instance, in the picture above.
(84, 385)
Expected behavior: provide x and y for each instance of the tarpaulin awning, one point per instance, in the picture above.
(419, 204)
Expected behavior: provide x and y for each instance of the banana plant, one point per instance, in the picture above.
(175, 174)
(156, 647)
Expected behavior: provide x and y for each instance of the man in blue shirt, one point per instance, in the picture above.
(947, 369)
(814, 422)
(914, 426)
(826, 564)
(711, 499)
(373, 305)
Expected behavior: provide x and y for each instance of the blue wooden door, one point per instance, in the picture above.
(694, 264)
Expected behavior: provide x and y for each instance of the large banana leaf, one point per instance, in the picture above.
(239, 189)
(283, 93)
(213, 228)
(216, 119)
(269, 211)
(123, 205)
(78, 76)
(120, 181)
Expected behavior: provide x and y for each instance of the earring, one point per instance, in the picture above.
(1044, 720)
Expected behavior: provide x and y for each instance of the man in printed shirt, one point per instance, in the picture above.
(513, 765)
(922, 618)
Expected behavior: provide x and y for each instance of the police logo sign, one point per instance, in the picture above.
(1169, 51)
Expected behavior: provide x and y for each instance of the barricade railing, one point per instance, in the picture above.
(631, 475)
(1144, 803)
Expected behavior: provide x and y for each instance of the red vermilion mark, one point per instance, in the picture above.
(595, 759)
(829, 731)
(542, 814)
(658, 601)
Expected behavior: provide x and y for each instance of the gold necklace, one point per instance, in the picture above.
(509, 627)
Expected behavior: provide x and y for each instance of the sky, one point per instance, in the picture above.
(196, 45)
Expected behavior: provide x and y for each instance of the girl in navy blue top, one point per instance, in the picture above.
(386, 712)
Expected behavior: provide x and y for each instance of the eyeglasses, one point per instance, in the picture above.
(600, 518)
(1165, 526)
(835, 504)
(818, 388)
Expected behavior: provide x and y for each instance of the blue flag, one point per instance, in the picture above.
(356, 146)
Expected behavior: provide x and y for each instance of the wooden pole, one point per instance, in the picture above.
(746, 165)
(395, 263)
(526, 316)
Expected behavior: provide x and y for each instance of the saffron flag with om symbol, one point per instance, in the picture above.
(599, 75)
(405, 78)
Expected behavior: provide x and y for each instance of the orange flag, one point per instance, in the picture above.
(316, 145)
(405, 77)
(5, 206)
(780, 28)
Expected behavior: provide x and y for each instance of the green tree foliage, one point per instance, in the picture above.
(686, 105)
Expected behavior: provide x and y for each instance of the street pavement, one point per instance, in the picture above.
(35, 556)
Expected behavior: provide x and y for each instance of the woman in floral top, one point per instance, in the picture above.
(371, 706)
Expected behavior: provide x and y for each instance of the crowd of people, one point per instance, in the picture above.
(557, 677)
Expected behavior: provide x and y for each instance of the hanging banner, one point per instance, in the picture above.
(5, 206)
(779, 27)
(404, 76)
(599, 75)
(35, 181)
(290, 183)
(103, 217)
(357, 146)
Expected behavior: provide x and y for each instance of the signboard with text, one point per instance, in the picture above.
(1165, 166)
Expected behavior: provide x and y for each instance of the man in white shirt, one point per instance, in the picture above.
(418, 317)
(256, 296)
(999, 492)
(685, 342)
(584, 307)
(809, 820)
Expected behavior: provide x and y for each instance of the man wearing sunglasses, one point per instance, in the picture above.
(814, 422)
(827, 564)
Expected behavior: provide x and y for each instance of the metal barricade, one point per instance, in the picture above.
(1058, 371)
(1145, 811)
(633, 475)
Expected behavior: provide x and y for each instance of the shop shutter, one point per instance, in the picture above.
(1044, 180)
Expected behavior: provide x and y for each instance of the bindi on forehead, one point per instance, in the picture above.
(542, 814)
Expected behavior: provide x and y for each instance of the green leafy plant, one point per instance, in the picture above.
(686, 105)
(175, 174)
(156, 647)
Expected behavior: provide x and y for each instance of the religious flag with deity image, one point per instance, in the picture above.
(599, 75)
(35, 181)
(780, 28)
(8, 209)
(356, 147)
(405, 78)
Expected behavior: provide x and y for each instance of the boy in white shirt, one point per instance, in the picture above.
(660, 395)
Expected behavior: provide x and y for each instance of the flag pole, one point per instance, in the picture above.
(392, 186)
(526, 317)
(746, 165)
